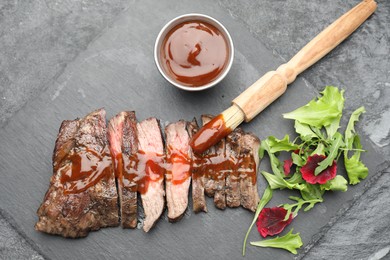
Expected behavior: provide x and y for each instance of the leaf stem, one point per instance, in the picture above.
(264, 200)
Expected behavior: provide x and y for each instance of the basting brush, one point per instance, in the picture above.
(274, 83)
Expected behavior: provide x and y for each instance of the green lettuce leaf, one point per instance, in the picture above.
(277, 145)
(290, 242)
(339, 183)
(337, 142)
(326, 111)
(356, 170)
(350, 130)
(335, 124)
(304, 130)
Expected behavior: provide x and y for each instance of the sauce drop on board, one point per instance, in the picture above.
(194, 53)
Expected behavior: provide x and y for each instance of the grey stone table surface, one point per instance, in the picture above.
(40, 41)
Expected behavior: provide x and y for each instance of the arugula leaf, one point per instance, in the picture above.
(290, 242)
(277, 145)
(298, 206)
(297, 160)
(264, 200)
(355, 168)
(319, 150)
(326, 111)
(337, 142)
(339, 183)
(311, 193)
(277, 182)
(274, 161)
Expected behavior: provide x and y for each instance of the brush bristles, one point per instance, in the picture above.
(233, 117)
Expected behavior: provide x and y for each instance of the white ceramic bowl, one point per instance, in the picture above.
(190, 17)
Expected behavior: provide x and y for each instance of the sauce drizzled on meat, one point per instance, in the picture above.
(142, 168)
(86, 169)
(180, 164)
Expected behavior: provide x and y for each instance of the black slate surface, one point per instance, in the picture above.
(117, 72)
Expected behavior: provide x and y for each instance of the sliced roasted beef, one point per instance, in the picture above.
(178, 176)
(122, 134)
(209, 155)
(82, 195)
(198, 178)
(151, 168)
(249, 162)
(216, 168)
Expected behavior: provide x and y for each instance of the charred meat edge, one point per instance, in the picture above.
(75, 215)
(233, 151)
(250, 162)
(150, 141)
(198, 178)
(177, 141)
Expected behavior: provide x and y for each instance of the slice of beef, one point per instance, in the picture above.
(219, 177)
(216, 169)
(82, 195)
(178, 176)
(151, 156)
(250, 145)
(233, 148)
(209, 156)
(122, 134)
(197, 172)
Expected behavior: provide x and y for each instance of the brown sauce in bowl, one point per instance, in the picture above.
(194, 53)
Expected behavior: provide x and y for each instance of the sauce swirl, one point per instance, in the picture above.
(194, 53)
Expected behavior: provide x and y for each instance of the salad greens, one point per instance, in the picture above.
(314, 154)
(290, 242)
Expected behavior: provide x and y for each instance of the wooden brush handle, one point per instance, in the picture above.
(273, 84)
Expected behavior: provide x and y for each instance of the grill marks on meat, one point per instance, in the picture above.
(233, 150)
(230, 169)
(178, 176)
(122, 133)
(208, 155)
(249, 161)
(152, 147)
(198, 177)
(71, 208)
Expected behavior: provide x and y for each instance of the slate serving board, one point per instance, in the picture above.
(117, 72)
